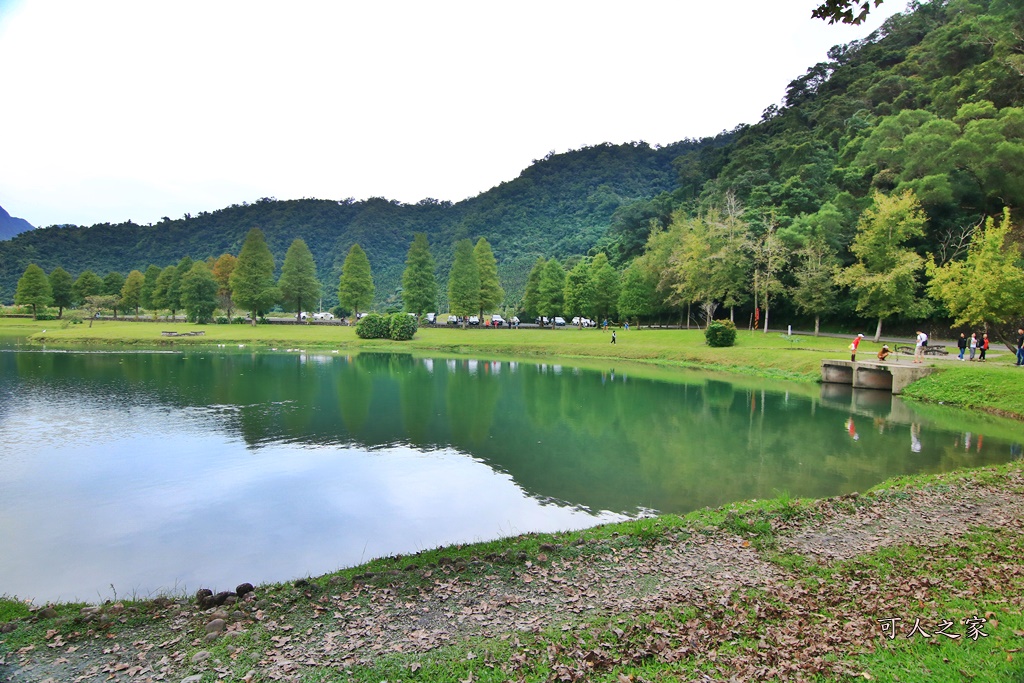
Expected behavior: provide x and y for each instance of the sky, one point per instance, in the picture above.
(113, 110)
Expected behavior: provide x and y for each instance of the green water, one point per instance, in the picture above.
(165, 471)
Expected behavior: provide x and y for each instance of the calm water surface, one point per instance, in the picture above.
(145, 472)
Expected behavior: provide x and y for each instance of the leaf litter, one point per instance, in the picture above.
(704, 596)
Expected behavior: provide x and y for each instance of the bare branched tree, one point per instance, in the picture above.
(954, 243)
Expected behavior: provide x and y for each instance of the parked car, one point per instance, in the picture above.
(474, 320)
(583, 322)
(303, 315)
(541, 320)
(514, 321)
(454, 320)
(497, 320)
(431, 318)
(559, 322)
(323, 315)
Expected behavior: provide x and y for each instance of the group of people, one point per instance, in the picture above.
(971, 346)
(974, 344)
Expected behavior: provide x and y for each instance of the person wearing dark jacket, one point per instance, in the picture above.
(961, 344)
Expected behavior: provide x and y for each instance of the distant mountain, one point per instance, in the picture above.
(558, 207)
(10, 226)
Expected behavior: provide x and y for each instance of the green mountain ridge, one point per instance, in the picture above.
(932, 102)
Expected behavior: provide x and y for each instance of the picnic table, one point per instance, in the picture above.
(928, 350)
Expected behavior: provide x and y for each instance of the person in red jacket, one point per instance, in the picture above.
(853, 347)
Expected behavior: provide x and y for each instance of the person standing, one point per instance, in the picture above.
(984, 346)
(613, 336)
(961, 344)
(853, 347)
(974, 343)
(1020, 347)
(922, 343)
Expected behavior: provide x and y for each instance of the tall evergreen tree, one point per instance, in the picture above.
(464, 281)
(61, 285)
(491, 293)
(419, 285)
(355, 287)
(298, 283)
(34, 289)
(131, 292)
(252, 282)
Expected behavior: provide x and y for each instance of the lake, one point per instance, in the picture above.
(132, 473)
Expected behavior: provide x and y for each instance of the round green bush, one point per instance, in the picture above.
(372, 326)
(401, 326)
(720, 333)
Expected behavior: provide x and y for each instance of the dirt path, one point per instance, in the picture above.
(281, 638)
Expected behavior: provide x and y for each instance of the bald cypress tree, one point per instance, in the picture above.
(252, 282)
(355, 288)
(419, 285)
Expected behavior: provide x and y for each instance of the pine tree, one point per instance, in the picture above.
(152, 274)
(252, 282)
(298, 281)
(419, 285)
(355, 288)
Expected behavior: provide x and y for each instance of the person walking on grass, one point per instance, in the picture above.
(1020, 347)
(974, 343)
(853, 347)
(961, 344)
(613, 336)
(984, 347)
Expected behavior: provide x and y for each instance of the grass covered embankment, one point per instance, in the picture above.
(764, 590)
(995, 386)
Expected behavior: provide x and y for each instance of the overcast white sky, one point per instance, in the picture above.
(118, 109)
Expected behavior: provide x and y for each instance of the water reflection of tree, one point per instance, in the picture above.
(471, 396)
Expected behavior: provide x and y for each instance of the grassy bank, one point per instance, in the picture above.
(765, 590)
(994, 386)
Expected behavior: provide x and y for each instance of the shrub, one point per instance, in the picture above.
(721, 333)
(46, 316)
(372, 326)
(401, 326)
(238, 320)
(221, 320)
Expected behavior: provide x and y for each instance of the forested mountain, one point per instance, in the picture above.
(932, 103)
(10, 226)
(558, 206)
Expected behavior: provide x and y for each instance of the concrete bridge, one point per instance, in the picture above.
(891, 377)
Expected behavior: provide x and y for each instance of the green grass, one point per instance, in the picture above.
(998, 388)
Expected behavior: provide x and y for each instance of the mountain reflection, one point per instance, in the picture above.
(596, 439)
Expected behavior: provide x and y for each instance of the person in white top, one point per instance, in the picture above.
(922, 342)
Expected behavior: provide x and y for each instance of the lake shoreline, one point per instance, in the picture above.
(994, 388)
(739, 590)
